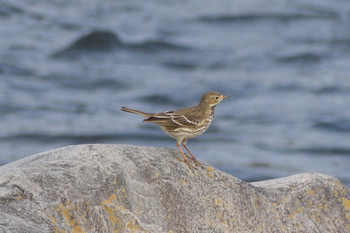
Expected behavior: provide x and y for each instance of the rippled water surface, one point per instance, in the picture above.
(66, 67)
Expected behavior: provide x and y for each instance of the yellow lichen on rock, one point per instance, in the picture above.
(300, 210)
(325, 207)
(110, 200)
(65, 212)
(219, 202)
(346, 203)
(68, 212)
(118, 215)
(210, 170)
(134, 227)
(78, 229)
(335, 193)
(311, 192)
(110, 212)
(184, 182)
(219, 215)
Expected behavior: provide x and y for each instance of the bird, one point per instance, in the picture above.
(186, 123)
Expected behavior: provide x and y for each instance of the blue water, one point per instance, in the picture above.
(66, 67)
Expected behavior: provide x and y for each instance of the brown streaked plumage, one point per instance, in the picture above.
(185, 123)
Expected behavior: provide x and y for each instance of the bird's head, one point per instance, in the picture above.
(212, 98)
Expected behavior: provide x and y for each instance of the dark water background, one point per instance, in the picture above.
(67, 66)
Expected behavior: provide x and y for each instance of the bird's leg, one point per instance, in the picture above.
(193, 157)
(184, 155)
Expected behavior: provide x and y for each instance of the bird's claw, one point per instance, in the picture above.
(199, 164)
(187, 163)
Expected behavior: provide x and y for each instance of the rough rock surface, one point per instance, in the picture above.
(119, 188)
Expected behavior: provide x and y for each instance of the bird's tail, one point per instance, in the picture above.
(145, 114)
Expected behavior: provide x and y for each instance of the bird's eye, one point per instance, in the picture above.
(216, 97)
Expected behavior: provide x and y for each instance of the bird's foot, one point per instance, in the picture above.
(197, 162)
(187, 163)
(189, 157)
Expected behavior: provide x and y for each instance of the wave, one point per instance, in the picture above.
(102, 41)
(259, 16)
(155, 46)
(106, 42)
(6, 108)
(14, 69)
(302, 57)
(316, 150)
(325, 151)
(330, 89)
(321, 90)
(158, 99)
(289, 87)
(337, 126)
(7, 10)
(76, 81)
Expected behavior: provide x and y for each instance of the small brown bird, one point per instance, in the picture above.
(185, 123)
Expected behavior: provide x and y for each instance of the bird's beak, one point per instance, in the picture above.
(225, 96)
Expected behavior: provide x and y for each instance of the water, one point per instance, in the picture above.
(66, 67)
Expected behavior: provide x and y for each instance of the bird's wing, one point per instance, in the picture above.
(175, 118)
(183, 120)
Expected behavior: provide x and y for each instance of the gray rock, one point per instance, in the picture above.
(119, 188)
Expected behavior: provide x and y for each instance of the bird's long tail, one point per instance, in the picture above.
(145, 114)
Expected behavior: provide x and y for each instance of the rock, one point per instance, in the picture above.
(120, 188)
